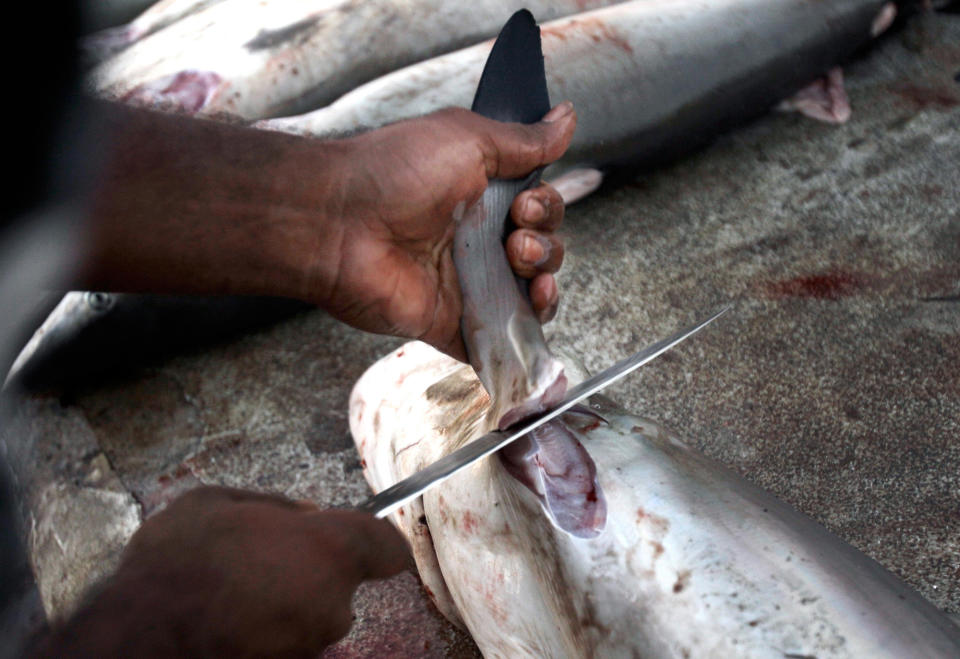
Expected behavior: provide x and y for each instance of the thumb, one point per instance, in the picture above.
(511, 150)
(375, 549)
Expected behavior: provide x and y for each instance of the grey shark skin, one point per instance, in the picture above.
(650, 80)
(691, 560)
(89, 336)
(111, 38)
(108, 13)
(266, 58)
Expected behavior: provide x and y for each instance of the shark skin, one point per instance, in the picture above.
(692, 559)
(650, 80)
(252, 59)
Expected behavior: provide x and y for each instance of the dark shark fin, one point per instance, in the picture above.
(513, 86)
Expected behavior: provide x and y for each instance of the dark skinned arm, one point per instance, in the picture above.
(362, 226)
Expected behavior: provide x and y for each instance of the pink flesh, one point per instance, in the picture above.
(555, 466)
(824, 99)
(550, 398)
(186, 91)
(884, 19)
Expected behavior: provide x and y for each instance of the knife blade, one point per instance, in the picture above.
(388, 500)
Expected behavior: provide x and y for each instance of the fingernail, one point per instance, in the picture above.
(536, 250)
(534, 210)
(558, 112)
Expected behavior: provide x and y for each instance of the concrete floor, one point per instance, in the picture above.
(834, 383)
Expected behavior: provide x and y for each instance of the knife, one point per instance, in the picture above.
(387, 501)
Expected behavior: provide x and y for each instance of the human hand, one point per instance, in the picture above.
(392, 271)
(224, 572)
(361, 226)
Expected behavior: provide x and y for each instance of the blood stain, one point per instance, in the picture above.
(923, 97)
(829, 286)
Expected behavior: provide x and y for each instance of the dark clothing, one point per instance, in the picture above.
(45, 81)
(41, 105)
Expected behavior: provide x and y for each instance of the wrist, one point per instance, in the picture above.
(310, 188)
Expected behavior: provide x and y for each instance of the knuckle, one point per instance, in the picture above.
(201, 495)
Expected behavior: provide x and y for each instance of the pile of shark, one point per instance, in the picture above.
(602, 534)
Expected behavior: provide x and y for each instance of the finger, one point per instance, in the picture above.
(538, 208)
(532, 252)
(375, 549)
(333, 622)
(544, 297)
(306, 505)
(511, 150)
(208, 495)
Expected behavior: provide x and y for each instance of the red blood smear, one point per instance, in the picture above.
(186, 91)
(923, 97)
(470, 523)
(831, 286)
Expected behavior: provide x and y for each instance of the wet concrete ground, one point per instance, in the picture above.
(834, 383)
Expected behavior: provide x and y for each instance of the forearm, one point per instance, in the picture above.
(196, 206)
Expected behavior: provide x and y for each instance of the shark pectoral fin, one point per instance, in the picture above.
(575, 184)
(884, 19)
(824, 99)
